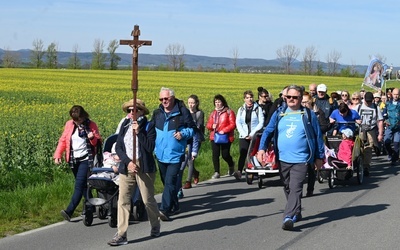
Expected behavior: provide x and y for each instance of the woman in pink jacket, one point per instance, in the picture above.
(78, 140)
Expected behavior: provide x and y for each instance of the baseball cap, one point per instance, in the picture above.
(322, 87)
(347, 132)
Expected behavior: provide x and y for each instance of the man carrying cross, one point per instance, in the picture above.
(134, 148)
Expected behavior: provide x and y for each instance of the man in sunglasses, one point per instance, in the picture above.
(298, 143)
(174, 127)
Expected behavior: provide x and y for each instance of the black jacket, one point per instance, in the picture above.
(146, 140)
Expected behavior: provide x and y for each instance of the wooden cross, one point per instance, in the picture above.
(135, 44)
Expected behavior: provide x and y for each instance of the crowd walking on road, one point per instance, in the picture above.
(173, 138)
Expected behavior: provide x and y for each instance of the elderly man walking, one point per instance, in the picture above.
(293, 125)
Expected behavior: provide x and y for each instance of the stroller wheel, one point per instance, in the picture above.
(319, 177)
(139, 211)
(249, 178)
(101, 212)
(331, 180)
(260, 182)
(112, 219)
(87, 218)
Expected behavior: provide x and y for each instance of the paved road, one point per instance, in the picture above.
(225, 214)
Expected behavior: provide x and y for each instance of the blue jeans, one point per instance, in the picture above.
(80, 171)
(169, 175)
(392, 136)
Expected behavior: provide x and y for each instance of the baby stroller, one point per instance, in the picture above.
(334, 171)
(255, 169)
(105, 184)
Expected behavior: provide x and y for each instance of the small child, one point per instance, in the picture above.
(111, 160)
(346, 148)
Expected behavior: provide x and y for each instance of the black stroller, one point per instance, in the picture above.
(103, 182)
(334, 172)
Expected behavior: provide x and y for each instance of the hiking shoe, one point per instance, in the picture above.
(237, 175)
(180, 194)
(215, 175)
(155, 231)
(297, 218)
(66, 216)
(187, 185)
(174, 211)
(287, 223)
(164, 216)
(231, 170)
(118, 240)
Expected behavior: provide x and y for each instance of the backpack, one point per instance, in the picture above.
(200, 130)
(368, 127)
(393, 112)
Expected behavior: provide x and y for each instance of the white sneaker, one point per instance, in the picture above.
(215, 175)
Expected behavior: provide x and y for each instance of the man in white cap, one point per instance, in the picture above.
(324, 102)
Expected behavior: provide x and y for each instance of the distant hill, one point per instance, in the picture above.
(191, 61)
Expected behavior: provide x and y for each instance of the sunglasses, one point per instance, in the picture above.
(355, 99)
(131, 109)
(295, 97)
(163, 99)
(345, 95)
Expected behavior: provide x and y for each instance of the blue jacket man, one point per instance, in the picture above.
(298, 143)
(174, 127)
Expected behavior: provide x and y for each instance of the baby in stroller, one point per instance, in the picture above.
(344, 155)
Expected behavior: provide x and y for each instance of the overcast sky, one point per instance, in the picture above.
(256, 28)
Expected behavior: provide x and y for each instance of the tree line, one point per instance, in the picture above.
(41, 57)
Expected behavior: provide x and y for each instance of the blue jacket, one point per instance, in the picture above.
(312, 130)
(168, 149)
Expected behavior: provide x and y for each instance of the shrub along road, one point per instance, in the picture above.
(226, 214)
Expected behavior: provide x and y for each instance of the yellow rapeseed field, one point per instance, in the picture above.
(35, 103)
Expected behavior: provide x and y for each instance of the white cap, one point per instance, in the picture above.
(322, 87)
(347, 132)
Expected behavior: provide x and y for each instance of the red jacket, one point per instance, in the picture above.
(226, 122)
(64, 143)
(345, 151)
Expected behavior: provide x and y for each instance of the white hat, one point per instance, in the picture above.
(377, 95)
(322, 87)
(347, 132)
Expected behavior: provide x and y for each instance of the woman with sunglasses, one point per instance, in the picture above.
(345, 97)
(265, 102)
(78, 141)
(355, 101)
